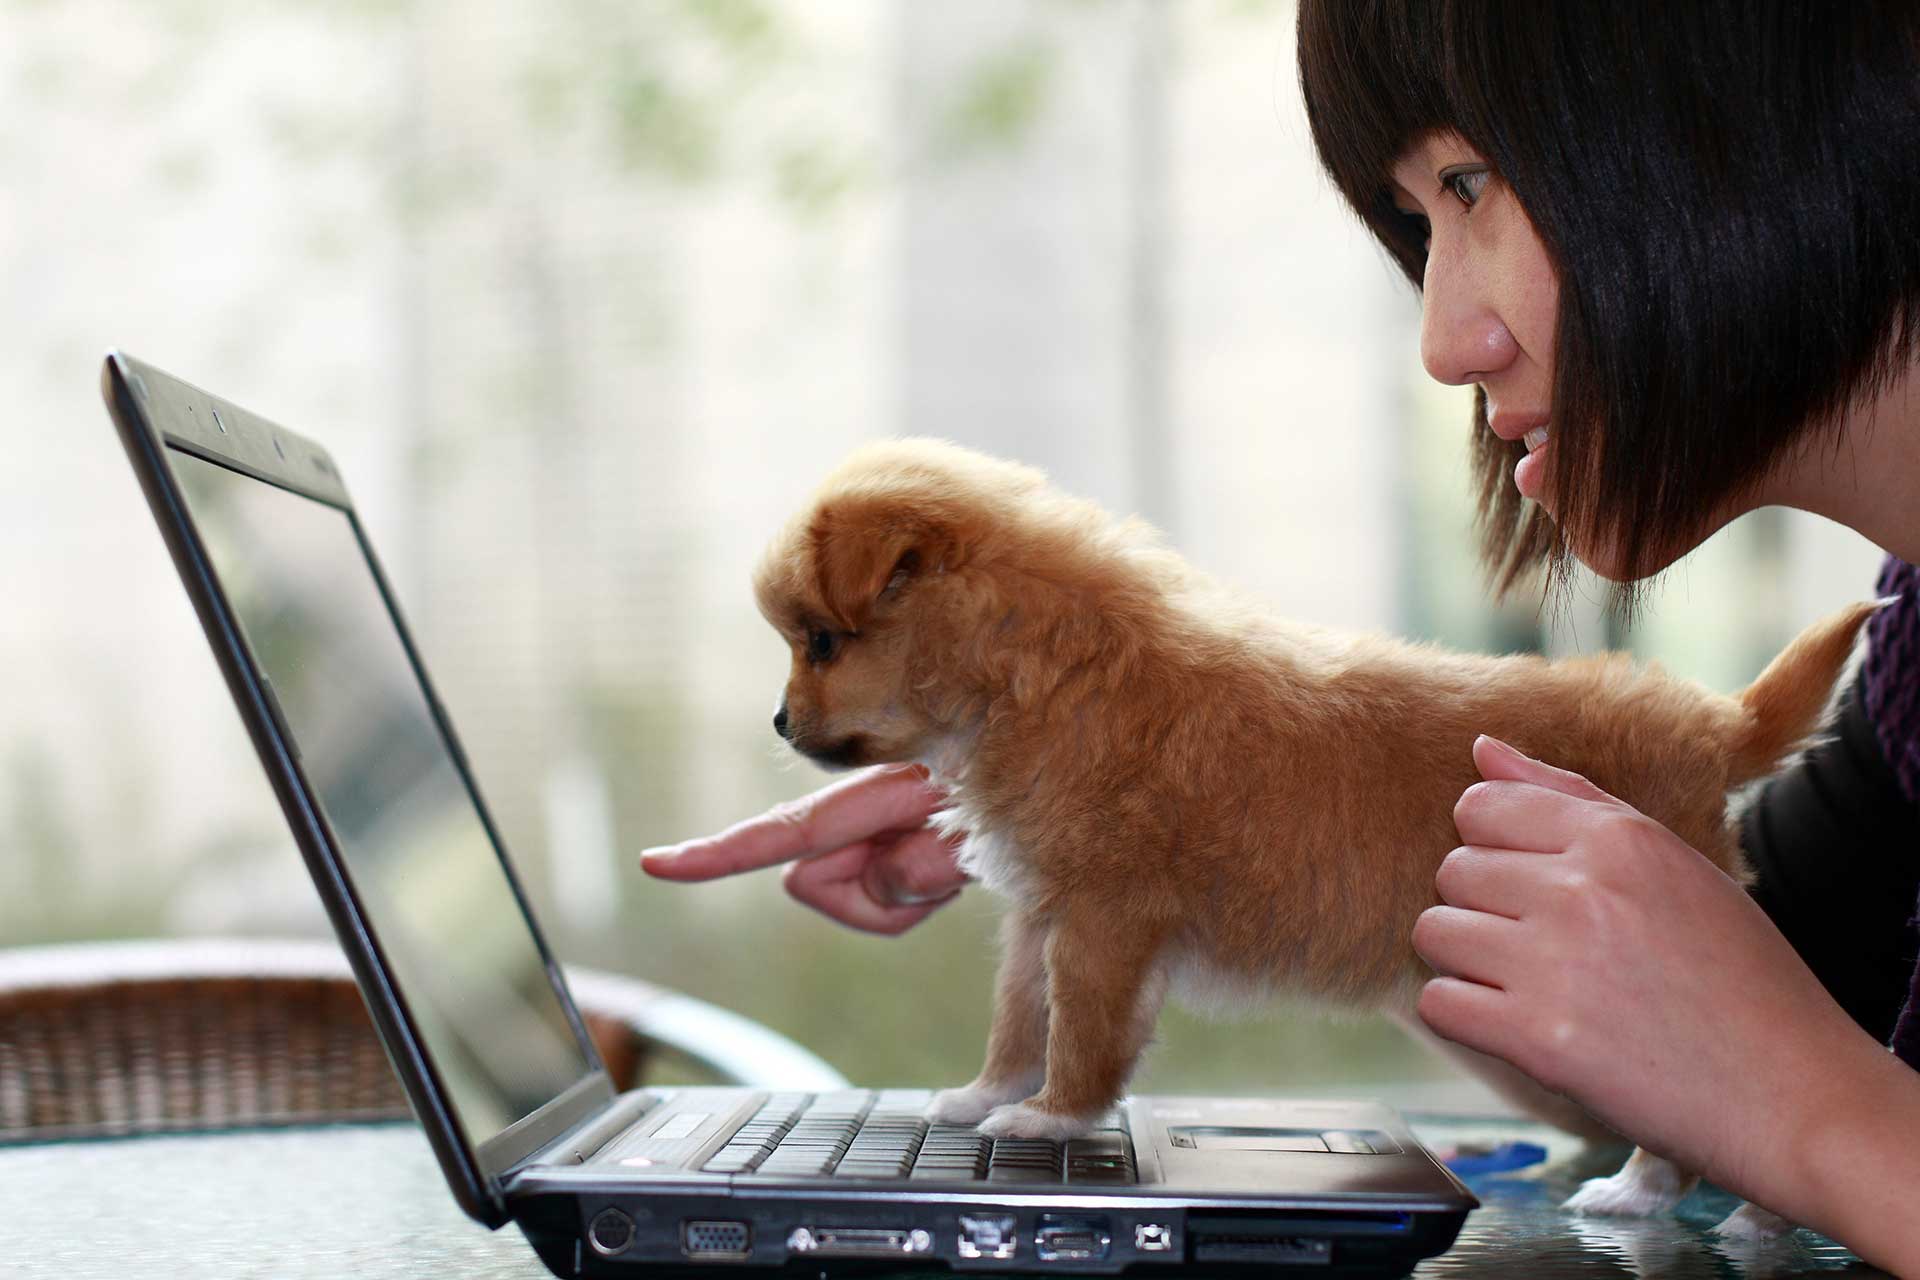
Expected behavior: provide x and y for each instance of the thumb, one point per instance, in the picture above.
(1499, 762)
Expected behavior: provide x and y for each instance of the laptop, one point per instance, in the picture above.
(496, 1061)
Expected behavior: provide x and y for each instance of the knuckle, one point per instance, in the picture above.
(1447, 878)
(1547, 1053)
(1472, 802)
(1435, 1006)
(1628, 825)
(796, 814)
(1575, 883)
(1428, 930)
(1630, 837)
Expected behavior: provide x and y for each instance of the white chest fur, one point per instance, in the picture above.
(989, 857)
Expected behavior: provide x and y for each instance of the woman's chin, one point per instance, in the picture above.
(1610, 564)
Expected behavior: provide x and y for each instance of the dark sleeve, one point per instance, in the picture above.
(1835, 844)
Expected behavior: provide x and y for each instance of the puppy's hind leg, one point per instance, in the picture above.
(1017, 1046)
(1753, 1224)
(1104, 990)
(1645, 1185)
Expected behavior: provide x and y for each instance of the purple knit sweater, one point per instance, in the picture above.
(1891, 692)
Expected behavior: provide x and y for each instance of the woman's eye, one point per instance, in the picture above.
(820, 645)
(1466, 185)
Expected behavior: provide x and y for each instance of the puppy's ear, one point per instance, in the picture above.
(864, 557)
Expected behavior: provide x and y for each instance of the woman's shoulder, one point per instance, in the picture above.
(1890, 673)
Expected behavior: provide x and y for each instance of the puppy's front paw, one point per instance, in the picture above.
(1635, 1192)
(1751, 1222)
(968, 1105)
(1022, 1120)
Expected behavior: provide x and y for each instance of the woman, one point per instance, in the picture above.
(1674, 248)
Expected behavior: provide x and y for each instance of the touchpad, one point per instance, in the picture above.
(1215, 1137)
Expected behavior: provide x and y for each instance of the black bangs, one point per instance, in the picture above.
(1729, 194)
(1373, 80)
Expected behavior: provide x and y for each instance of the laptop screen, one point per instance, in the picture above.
(429, 879)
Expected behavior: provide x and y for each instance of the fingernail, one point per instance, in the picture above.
(659, 853)
(887, 888)
(1512, 751)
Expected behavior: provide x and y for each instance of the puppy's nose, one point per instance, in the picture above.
(780, 720)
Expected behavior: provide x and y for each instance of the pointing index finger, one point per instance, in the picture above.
(885, 798)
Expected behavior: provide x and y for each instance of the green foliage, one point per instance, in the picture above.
(813, 176)
(745, 28)
(660, 125)
(1001, 100)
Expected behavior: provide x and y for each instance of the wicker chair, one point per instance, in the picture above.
(116, 1039)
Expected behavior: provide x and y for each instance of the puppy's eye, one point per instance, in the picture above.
(822, 645)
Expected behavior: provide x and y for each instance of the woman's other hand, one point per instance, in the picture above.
(1596, 951)
(860, 851)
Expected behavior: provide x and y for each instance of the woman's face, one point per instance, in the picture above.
(1489, 304)
(1490, 296)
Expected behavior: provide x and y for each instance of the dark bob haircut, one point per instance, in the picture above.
(1729, 192)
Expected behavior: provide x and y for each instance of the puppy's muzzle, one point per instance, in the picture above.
(780, 721)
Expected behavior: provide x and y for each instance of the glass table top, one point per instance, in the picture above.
(368, 1200)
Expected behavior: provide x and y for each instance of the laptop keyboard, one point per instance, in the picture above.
(860, 1133)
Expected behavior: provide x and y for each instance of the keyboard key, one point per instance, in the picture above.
(858, 1133)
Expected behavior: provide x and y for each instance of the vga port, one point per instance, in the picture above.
(702, 1238)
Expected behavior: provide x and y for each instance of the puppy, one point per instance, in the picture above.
(1175, 789)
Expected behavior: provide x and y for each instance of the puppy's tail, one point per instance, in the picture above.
(1784, 706)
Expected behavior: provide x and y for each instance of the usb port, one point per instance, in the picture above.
(1060, 1238)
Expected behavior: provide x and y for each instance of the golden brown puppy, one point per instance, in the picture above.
(1175, 788)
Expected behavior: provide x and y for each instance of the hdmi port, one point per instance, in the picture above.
(859, 1242)
(1064, 1239)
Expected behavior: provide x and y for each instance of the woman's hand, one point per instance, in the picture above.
(1593, 949)
(860, 850)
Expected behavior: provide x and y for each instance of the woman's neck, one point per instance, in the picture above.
(1868, 477)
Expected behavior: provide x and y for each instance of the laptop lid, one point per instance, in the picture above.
(467, 999)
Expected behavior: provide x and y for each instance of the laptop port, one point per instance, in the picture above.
(709, 1239)
(1300, 1238)
(987, 1236)
(1060, 1238)
(859, 1242)
(610, 1232)
(1153, 1237)
(1266, 1249)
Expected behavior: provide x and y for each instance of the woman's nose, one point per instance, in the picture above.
(1462, 338)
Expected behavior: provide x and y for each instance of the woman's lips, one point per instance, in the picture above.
(1527, 473)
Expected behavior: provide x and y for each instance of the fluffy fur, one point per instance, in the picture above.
(1174, 788)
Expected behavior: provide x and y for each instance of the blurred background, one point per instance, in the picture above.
(584, 297)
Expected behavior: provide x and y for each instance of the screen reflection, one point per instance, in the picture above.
(417, 854)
